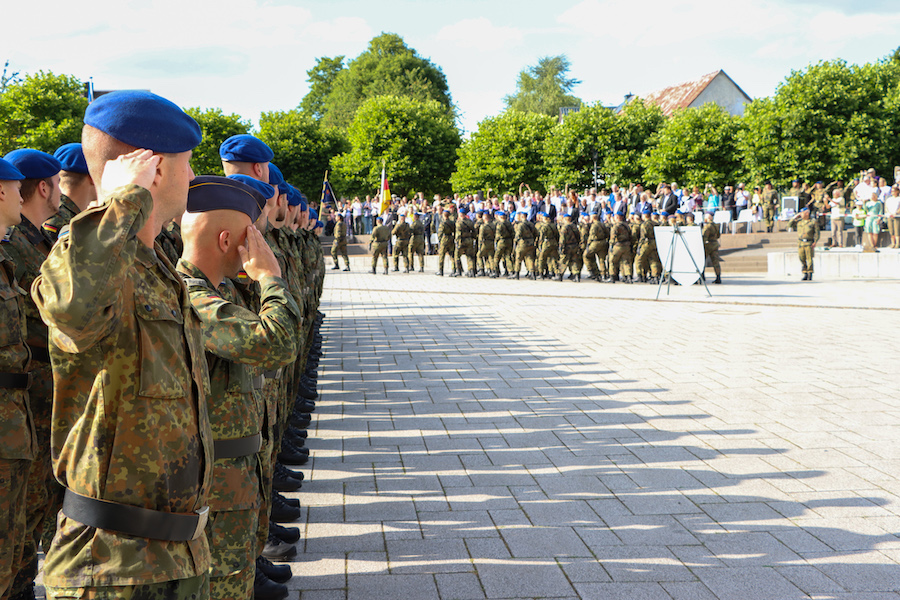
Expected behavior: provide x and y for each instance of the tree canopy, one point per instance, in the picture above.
(41, 111)
(387, 67)
(216, 127)
(321, 80)
(545, 87)
(415, 139)
(570, 147)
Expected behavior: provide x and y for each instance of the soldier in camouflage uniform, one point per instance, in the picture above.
(339, 245)
(486, 234)
(620, 257)
(807, 236)
(28, 247)
(647, 256)
(597, 248)
(584, 230)
(77, 187)
(711, 235)
(130, 430)
(525, 235)
(446, 242)
(504, 233)
(401, 248)
(239, 344)
(417, 243)
(378, 244)
(18, 444)
(770, 205)
(547, 242)
(465, 244)
(569, 249)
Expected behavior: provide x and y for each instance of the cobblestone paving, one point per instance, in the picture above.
(494, 439)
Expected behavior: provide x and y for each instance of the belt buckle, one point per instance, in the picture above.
(30, 380)
(202, 518)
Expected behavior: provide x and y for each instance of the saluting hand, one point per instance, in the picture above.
(138, 167)
(259, 260)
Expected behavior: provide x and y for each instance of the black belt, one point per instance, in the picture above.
(245, 446)
(15, 381)
(40, 354)
(805, 240)
(272, 374)
(134, 520)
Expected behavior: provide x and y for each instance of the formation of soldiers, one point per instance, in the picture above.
(160, 345)
(609, 246)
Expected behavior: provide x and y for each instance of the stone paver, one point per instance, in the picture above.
(494, 439)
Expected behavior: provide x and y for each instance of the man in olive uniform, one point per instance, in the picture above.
(446, 242)
(220, 241)
(820, 203)
(807, 236)
(648, 257)
(465, 244)
(339, 246)
(584, 230)
(417, 243)
(711, 235)
(770, 205)
(18, 443)
(504, 233)
(137, 439)
(620, 257)
(378, 244)
(597, 248)
(525, 236)
(486, 250)
(77, 187)
(569, 248)
(28, 247)
(401, 247)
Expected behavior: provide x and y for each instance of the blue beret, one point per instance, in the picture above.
(71, 158)
(646, 210)
(313, 215)
(303, 205)
(479, 212)
(34, 164)
(144, 120)
(264, 189)
(464, 210)
(655, 214)
(621, 213)
(245, 148)
(805, 208)
(319, 224)
(302, 196)
(293, 195)
(821, 182)
(9, 172)
(277, 179)
(210, 192)
(664, 213)
(500, 213)
(543, 214)
(678, 212)
(447, 210)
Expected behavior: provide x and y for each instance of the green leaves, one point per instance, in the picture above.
(217, 127)
(544, 87)
(41, 111)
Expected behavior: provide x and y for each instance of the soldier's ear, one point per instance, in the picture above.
(224, 241)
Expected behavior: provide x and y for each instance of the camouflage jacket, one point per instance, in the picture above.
(130, 422)
(402, 231)
(525, 232)
(238, 343)
(17, 438)
(504, 232)
(598, 233)
(53, 225)
(417, 229)
(170, 241)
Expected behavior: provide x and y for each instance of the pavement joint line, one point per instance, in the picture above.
(704, 302)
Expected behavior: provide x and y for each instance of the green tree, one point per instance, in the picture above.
(570, 147)
(827, 121)
(41, 111)
(7, 78)
(545, 87)
(696, 146)
(387, 67)
(634, 135)
(217, 127)
(321, 80)
(415, 139)
(505, 151)
(303, 147)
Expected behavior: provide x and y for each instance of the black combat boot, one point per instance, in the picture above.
(454, 273)
(282, 481)
(421, 268)
(282, 512)
(335, 267)
(276, 549)
(347, 268)
(291, 535)
(266, 589)
(385, 270)
(472, 273)
(558, 277)
(373, 270)
(578, 278)
(719, 279)
(277, 573)
(809, 276)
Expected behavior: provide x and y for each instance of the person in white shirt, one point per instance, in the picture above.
(864, 190)
(356, 211)
(837, 219)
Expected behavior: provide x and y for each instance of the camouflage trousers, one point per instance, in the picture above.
(13, 479)
(235, 586)
(340, 250)
(769, 216)
(806, 258)
(193, 588)
(621, 258)
(568, 260)
(379, 249)
(465, 248)
(503, 254)
(596, 253)
(548, 259)
(485, 257)
(524, 253)
(417, 248)
(712, 254)
(648, 260)
(401, 248)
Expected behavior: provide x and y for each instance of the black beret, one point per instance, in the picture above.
(144, 120)
(211, 192)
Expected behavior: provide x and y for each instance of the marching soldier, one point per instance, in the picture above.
(339, 246)
(569, 248)
(620, 257)
(597, 248)
(378, 244)
(417, 244)
(503, 244)
(648, 257)
(807, 236)
(465, 244)
(525, 235)
(401, 248)
(77, 187)
(486, 250)
(547, 247)
(711, 235)
(446, 243)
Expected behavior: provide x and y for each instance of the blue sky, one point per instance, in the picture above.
(249, 56)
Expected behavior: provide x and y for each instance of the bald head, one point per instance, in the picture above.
(211, 240)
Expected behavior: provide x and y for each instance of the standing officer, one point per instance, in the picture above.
(465, 243)
(621, 257)
(525, 234)
(339, 246)
(378, 244)
(28, 247)
(807, 236)
(131, 439)
(569, 249)
(401, 248)
(77, 187)
(770, 205)
(220, 241)
(446, 242)
(417, 243)
(503, 244)
(647, 256)
(711, 235)
(486, 250)
(18, 444)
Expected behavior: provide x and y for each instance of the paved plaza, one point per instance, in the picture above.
(515, 439)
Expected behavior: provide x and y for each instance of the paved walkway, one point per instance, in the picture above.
(514, 439)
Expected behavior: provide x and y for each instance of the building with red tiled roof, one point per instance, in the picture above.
(716, 87)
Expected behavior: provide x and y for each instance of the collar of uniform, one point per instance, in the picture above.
(34, 235)
(67, 202)
(190, 271)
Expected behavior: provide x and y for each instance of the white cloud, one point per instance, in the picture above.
(479, 35)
